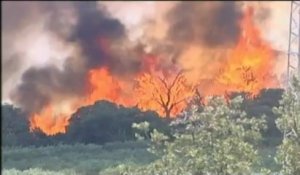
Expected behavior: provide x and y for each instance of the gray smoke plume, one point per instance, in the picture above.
(206, 23)
(95, 33)
(40, 85)
(96, 30)
(93, 30)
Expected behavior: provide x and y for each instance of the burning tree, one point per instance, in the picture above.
(167, 94)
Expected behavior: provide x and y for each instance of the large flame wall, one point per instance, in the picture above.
(246, 67)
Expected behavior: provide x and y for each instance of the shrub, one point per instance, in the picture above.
(218, 140)
(107, 122)
(288, 155)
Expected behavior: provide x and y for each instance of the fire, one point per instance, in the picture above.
(49, 122)
(167, 96)
(105, 87)
(247, 68)
(249, 65)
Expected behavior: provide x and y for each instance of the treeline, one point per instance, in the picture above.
(99, 123)
(107, 122)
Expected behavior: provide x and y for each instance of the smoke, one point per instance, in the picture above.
(194, 35)
(102, 38)
(43, 85)
(94, 32)
(99, 39)
(209, 24)
(199, 34)
(10, 65)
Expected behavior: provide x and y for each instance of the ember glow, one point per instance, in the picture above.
(247, 67)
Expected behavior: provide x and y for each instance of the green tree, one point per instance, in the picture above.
(220, 139)
(15, 126)
(288, 154)
(108, 122)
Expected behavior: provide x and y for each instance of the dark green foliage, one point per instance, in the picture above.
(99, 123)
(15, 126)
(263, 105)
(15, 130)
(107, 122)
(288, 153)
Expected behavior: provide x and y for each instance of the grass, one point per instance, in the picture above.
(73, 159)
(90, 159)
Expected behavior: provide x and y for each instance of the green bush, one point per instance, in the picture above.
(288, 155)
(100, 123)
(15, 126)
(219, 140)
(107, 122)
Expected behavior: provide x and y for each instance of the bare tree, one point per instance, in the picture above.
(169, 94)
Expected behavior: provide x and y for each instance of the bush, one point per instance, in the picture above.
(263, 105)
(218, 140)
(15, 127)
(99, 123)
(107, 122)
(288, 155)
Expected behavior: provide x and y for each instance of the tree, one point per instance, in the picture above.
(219, 140)
(15, 126)
(263, 105)
(108, 122)
(288, 154)
(164, 95)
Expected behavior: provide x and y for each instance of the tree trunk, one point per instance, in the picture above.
(168, 113)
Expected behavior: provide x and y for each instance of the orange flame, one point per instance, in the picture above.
(248, 68)
(107, 87)
(167, 96)
(49, 122)
(249, 64)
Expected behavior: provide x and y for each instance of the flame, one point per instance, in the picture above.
(249, 65)
(49, 122)
(104, 86)
(108, 87)
(167, 96)
(247, 68)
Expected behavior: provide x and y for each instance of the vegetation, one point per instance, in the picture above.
(289, 124)
(167, 94)
(220, 139)
(107, 122)
(73, 159)
(37, 171)
(15, 126)
(100, 123)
